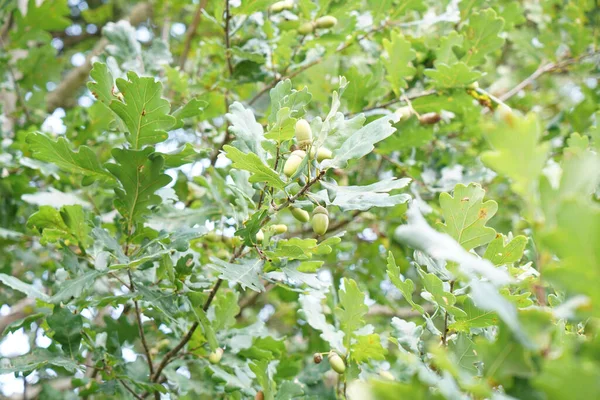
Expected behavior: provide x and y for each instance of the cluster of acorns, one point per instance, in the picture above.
(325, 22)
(320, 219)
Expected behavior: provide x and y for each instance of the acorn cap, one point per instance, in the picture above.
(320, 210)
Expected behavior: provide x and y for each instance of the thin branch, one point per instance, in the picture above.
(445, 333)
(227, 43)
(542, 69)
(140, 327)
(16, 86)
(130, 390)
(191, 32)
(65, 92)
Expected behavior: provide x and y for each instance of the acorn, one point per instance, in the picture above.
(303, 133)
(293, 162)
(321, 154)
(403, 112)
(278, 229)
(320, 220)
(300, 214)
(326, 22)
(430, 118)
(215, 356)
(260, 236)
(317, 358)
(281, 5)
(306, 28)
(386, 375)
(505, 113)
(336, 362)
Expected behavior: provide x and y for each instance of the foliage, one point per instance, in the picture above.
(148, 243)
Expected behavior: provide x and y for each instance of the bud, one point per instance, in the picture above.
(317, 358)
(306, 28)
(430, 118)
(404, 112)
(320, 220)
(300, 214)
(215, 356)
(281, 5)
(260, 236)
(278, 229)
(303, 133)
(321, 154)
(336, 362)
(326, 22)
(293, 162)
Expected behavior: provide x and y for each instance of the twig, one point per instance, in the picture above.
(140, 327)
(130, 390)
(542, 69)
(395, 101)
(191, 32)
(227, 44)
(445, 333)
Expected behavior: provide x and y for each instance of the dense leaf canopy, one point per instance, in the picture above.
(332, 199)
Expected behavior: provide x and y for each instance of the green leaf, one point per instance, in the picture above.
(284, 126)
(144, 112)
(440, 296)
(140, 175)
(474, 318)
(368, 348)
(59, 153)
(351, 310)
(283, 95)
(181, 156)
(37, 359)
(23, 287)
(312, 310)
(49, 16)
(248, 134)
(466, 214)
(481, 36)
(452, 76)
(365, 197)
(516, 151)
(67, 329)
(102, 85)
(73, 288)
(406, 286)
(68, 224)
(289, 390)
(253, 164)
(226, 309)
(192, 108)
(362, 142)
(246, 273)
(398, 61)
(207, 328)
(500, 253)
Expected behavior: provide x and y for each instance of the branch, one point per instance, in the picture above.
(402, 99)
(379, 310)
(64, 94)
(544, 68)
(191, 32)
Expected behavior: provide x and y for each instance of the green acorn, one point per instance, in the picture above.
(260, 236)
(306, 28)
(303, 133)
(281, 5)
(336, 362)
(326, 22)
(293, 162)
(320, 220)
(300, 214)
(278, 229)
(404, 112)
(321, 154)
(215, 356)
